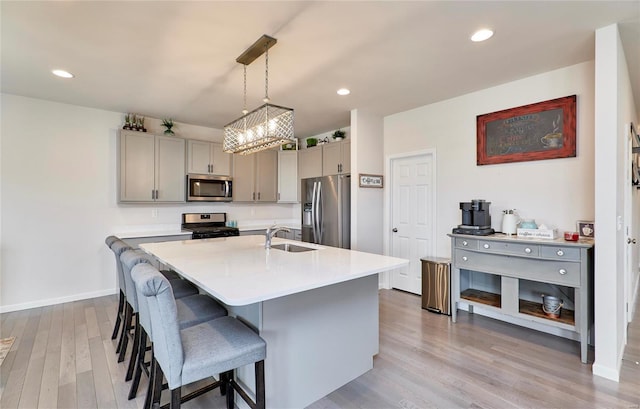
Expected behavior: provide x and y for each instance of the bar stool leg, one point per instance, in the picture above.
(148, 400)
(260, 392)
(142, 348)
(124, 335)
(134, 351)
(116, 327)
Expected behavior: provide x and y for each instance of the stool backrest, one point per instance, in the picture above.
(167, 344)
(129, 259)
(118, 247)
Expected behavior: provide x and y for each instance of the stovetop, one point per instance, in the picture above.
(208, 225)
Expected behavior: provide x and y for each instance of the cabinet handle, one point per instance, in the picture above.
(560, 253)
(278, 195)
(465, 258)
(254, 196)
(562, 271)
(527, 250)
(258, 195)
(464, 243)
(153, 194)
(157, 194)
(486, 245)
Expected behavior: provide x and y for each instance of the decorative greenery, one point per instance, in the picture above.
(338, 134)
(312, 142)
(168, 123)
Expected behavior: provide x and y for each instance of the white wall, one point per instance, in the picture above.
(366, 203)
(615, 108)
(58, 201)
(556, 192)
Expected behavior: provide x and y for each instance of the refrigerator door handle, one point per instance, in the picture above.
(314, 211)
(319, 212)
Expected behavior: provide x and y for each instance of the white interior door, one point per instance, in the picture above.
(632, 231)
(412, 216)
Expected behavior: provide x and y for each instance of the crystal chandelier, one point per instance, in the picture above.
(264, 127)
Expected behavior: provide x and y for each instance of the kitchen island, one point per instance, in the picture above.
(317, 310)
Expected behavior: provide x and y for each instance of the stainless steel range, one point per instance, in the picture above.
(208, 225)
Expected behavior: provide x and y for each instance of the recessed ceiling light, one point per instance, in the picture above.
(482, 35)
(343, 91)
(62, 73)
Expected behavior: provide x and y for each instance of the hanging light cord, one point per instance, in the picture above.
(245, 111)
(266, 74)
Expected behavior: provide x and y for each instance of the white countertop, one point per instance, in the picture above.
(240, 271)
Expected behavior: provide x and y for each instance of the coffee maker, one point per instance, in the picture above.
(476, 219)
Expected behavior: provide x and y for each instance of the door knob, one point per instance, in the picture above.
(631, 241)
(395, 230)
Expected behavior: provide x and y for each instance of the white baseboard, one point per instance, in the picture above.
(606, 372)
(54, 301)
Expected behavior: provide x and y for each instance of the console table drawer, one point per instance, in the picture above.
(466, 243)
(525, 249)
(551, 271)
(560, 253)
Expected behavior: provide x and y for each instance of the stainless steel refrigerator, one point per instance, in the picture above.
(326, 210)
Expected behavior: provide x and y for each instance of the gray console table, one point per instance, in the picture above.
(493, 271)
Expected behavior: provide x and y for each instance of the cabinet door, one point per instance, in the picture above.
(137, 164)
(170, 169)
(346, 156)
(288, 176)
(221, 164)
(310, 163)
(267, 176)
(331, 158)
(243, 178)
(198, 157)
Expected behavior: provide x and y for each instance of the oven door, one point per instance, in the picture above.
(208, 188)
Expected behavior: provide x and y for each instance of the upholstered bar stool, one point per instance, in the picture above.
(181, 288)
(198, 352)
(192, 310)
(110, 240)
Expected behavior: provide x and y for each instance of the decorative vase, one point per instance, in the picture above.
(169, 132)
(339, 138)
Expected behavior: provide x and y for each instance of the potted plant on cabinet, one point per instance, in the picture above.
(338, 135)
(311, 142)
(168, 123)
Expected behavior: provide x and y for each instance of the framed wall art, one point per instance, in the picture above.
(585, 228)
(370, 180)
(544, 130)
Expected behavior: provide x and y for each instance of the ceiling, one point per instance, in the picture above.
(177, 59)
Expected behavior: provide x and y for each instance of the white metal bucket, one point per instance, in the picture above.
(551, 306)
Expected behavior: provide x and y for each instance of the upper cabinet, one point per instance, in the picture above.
(255, 177)
(310, 162)
(207, 158)
(151, 168)
(336, 157)
(288, 177)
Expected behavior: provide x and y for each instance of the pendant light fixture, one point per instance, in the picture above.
(264, 127)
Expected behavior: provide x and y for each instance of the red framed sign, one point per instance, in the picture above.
(544, 130)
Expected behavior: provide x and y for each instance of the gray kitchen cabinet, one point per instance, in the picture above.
(310, 162)
(207, 158)
(336, 158)
(151, 168)
(507, 274)
(255, 177)
(288, 177)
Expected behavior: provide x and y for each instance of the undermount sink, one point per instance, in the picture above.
(291, 248)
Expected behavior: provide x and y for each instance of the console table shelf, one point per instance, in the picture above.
(503, 274)
(481, 297)
(535, 309)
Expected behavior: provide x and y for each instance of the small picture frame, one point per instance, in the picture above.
(585, 228)
(374, 181)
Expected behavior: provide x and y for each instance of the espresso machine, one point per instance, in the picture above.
(476, 219)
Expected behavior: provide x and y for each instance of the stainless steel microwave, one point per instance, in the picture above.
(209, 188)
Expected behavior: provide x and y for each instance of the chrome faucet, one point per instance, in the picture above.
(271, 231)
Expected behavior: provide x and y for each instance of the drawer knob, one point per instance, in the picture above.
(486, 246)
(562, 271)
(465, 258)
(464, 243)
(560, 253)
(527, 250)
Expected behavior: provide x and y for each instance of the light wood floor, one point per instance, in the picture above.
(63, 357)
